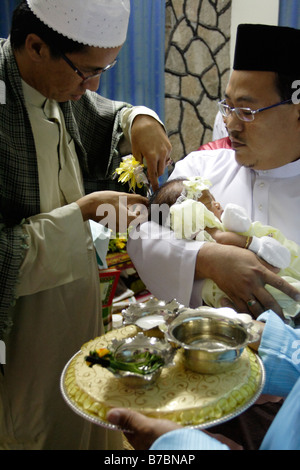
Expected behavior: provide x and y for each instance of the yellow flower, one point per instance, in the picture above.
(102, 352)
(117, 242)
(120, 244)
(130, 170)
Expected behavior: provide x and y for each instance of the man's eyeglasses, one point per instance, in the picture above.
(245, 114)
(89, 77)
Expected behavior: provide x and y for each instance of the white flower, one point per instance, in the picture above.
(195, 185)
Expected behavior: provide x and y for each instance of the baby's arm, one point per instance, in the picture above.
(229, 238)
(266, 248)
(235, 219)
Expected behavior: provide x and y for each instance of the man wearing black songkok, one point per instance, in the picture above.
(261, 172)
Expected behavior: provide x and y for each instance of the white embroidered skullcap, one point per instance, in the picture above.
(98, 23)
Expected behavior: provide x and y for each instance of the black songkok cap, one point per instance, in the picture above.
(267, 48)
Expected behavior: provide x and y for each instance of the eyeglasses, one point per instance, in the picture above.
(89, 77)
(245, 114)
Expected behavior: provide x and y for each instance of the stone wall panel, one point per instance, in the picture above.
(197, 66)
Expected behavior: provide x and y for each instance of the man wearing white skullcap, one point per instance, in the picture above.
(60, 144)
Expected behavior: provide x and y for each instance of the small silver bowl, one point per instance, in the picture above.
(127, 350)
(212, 342)
(150, 314)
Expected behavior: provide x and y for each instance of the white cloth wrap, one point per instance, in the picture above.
(271, 251)
(235, 218)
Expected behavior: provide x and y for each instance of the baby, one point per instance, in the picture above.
(194, 214)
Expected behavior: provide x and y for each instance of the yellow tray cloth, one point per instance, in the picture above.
(181, 395)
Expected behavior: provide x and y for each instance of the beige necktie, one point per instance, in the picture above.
(69, 177)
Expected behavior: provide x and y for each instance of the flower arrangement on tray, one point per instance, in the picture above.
(118, 243)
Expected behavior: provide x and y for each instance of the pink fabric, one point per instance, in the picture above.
(223, 143)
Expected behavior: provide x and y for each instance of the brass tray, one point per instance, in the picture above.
(174, 396)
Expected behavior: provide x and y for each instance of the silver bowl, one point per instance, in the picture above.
(212, 342)
(150, 314)
(126, 350)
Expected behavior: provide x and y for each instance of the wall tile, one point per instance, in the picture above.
(197, 69)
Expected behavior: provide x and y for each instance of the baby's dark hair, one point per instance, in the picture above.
(163, 198)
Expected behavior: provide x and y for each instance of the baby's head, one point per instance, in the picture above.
(163, 198)
(170, 191)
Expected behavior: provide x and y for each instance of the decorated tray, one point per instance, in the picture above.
(188, 398)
